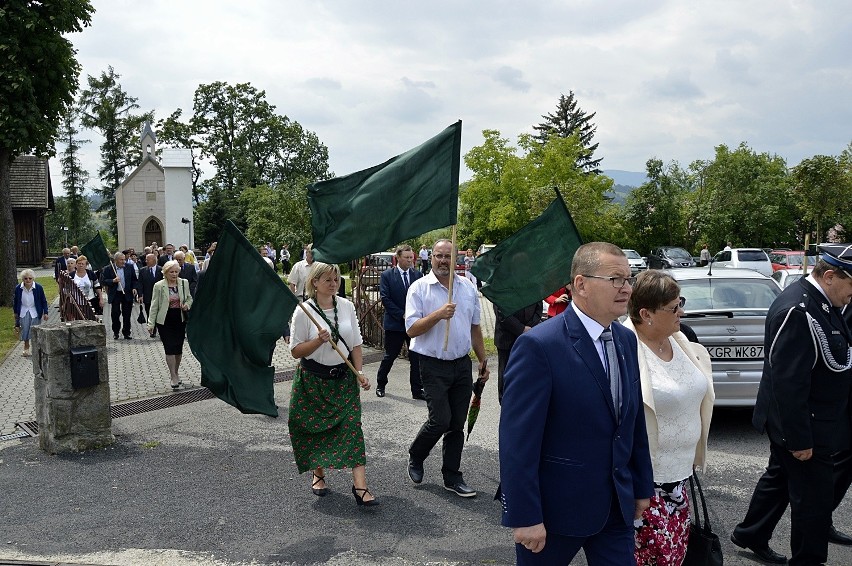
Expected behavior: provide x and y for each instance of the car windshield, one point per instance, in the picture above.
(728, 294)
(632, 254)
(796, 260)
(752, 255)
(678, 253)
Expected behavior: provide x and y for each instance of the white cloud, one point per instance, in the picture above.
(667, 79)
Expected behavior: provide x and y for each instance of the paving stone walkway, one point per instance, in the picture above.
(137, 368)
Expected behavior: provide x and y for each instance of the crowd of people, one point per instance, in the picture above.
(602, 423)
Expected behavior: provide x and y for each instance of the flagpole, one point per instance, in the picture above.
(805, 256)
(332, 342)
(115, 270)
(450, 286)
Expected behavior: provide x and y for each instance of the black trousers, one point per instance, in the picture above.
(394, 339)
(120, 311)
(502, 360)
(447, 386)
(809, 488)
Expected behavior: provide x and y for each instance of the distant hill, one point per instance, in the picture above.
(624, 182)
(626, 178)
(619, 193)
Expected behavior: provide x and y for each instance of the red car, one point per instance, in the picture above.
(786, 259)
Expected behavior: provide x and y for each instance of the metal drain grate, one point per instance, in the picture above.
(184, 397)
(19, 434)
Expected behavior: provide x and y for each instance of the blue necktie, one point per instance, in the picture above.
(405, 279)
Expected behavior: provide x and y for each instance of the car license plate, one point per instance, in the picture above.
(735, 352)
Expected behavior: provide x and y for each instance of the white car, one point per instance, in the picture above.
(744, 258)
(636, 261)
(786, 276)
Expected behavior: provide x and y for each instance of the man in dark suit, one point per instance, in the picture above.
(122, 288)
(167, 255)
(574, 462)
(188, 272)
(61, 263)
(149, 275)
(803, 406)
(506, 332)
(393, 286)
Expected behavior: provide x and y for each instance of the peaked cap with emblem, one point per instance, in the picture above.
(838, 255)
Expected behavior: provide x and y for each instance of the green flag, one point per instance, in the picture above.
(374, 209)
(532, 263)
(239, 313)
(96, 252)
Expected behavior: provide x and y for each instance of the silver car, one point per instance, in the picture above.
(727, 310)
(636, 261)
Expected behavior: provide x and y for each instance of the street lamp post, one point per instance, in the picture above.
(65, 229)
(188, 223)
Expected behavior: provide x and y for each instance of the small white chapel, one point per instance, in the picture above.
(154, 202)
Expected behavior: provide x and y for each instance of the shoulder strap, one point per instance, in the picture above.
(693, 483)
(336, 329)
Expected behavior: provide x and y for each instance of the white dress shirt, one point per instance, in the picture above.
(425, 296)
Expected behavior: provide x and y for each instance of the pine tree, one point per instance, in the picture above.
(570, 120)
(107, 108)
(74, 177)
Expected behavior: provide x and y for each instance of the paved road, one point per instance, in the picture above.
(202, 484)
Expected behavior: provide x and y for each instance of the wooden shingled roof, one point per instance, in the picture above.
(30, 187)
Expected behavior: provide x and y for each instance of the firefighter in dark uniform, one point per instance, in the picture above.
(803, 405)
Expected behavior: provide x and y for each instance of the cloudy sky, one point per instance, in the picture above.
(667, 79)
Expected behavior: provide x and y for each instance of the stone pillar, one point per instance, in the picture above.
(70, 420)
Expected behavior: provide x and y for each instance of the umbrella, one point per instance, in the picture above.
(473, 412)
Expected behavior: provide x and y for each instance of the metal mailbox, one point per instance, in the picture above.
(84, 367)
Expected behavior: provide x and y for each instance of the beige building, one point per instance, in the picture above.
(154, 202)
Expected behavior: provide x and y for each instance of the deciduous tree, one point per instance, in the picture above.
(746, 199)
(38, 80)
(509, 190)
(654, 211)
(821, 190)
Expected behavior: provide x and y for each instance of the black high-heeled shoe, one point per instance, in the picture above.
(318, 491)
(359, 499)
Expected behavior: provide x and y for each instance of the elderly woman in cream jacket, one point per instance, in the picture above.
(170, 303)
(677, 389)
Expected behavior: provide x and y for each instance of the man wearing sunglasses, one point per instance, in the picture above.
(575, 467)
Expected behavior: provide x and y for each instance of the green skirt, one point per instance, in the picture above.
(325, 422)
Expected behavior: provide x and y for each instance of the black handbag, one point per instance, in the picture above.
(703, 547)
(141, 318)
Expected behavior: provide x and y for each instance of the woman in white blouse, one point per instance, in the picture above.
(325, 406)
(677, 390)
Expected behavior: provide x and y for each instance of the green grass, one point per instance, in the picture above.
(8, 338)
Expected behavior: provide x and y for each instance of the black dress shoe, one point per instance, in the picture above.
(128, 337)
(419, 396)
(765, 553)
(380, 391)
(461, 489)
(115, 336)
(838, 537)
(415, 470)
